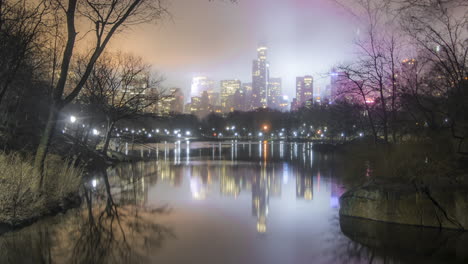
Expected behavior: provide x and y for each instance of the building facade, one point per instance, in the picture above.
(260, 77)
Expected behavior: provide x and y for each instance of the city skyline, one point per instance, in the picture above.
(264, 91)
(303, 39)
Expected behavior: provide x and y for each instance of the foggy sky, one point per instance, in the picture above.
(219, 40)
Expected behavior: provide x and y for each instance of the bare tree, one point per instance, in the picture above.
(21, 24)
(358, 87)
(104, 19)
(439, 29)
(120, 86)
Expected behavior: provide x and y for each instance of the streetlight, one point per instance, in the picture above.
(95, 132)
(94, 183)
(72, 119)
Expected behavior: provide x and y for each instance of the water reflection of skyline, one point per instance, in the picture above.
(260, 170)
(215, 201)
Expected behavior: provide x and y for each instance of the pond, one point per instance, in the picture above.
(224, 202)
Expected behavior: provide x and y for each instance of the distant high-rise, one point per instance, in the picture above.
(228, 90)
(199, 105)
(304, 89)
(177, 100)
(260, 77)
(274, 93)
(247, 88)
(284, 103)
(168, 105)
(201, 84)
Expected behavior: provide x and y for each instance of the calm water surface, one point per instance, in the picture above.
(233, 202)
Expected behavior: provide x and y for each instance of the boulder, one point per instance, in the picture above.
(443, 206)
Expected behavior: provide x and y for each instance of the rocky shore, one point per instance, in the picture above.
(440, 206)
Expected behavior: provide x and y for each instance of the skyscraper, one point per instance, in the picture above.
(200, 84)
(274, 93)
(228, 89)
(304, 89)
(260, 76)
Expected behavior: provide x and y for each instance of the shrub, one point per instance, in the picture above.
(20, 200)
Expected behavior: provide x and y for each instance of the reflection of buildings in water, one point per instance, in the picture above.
(129, 184)
(260, 199)
(169, 173)
(197, 188)
(229, 183)
(200, 180)
(275, 181)
(304, 187)
(265, 184)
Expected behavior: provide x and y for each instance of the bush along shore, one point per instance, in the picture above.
(23, 201)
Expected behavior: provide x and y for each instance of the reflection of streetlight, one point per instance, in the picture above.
(72, 119)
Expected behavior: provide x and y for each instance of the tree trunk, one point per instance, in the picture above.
(44, 144)
(110, 127)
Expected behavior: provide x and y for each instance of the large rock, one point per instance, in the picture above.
(443, 206)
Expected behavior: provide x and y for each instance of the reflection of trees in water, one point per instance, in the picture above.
(369, 241)
(345, 250)
(118, 233)
(105, 231)
(32, 246)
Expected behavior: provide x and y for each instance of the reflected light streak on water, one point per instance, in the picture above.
(254, 210)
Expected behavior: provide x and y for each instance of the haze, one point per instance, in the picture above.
(219, 39)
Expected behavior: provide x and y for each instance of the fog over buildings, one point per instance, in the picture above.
(219, 40)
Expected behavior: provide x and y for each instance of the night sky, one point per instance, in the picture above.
(219, 39)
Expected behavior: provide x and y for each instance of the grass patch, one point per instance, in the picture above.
(21, 201)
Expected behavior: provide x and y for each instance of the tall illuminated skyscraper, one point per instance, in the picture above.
(228, 90)
(304, 89)
(201, 84)
(274, 93)
(260, 77)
